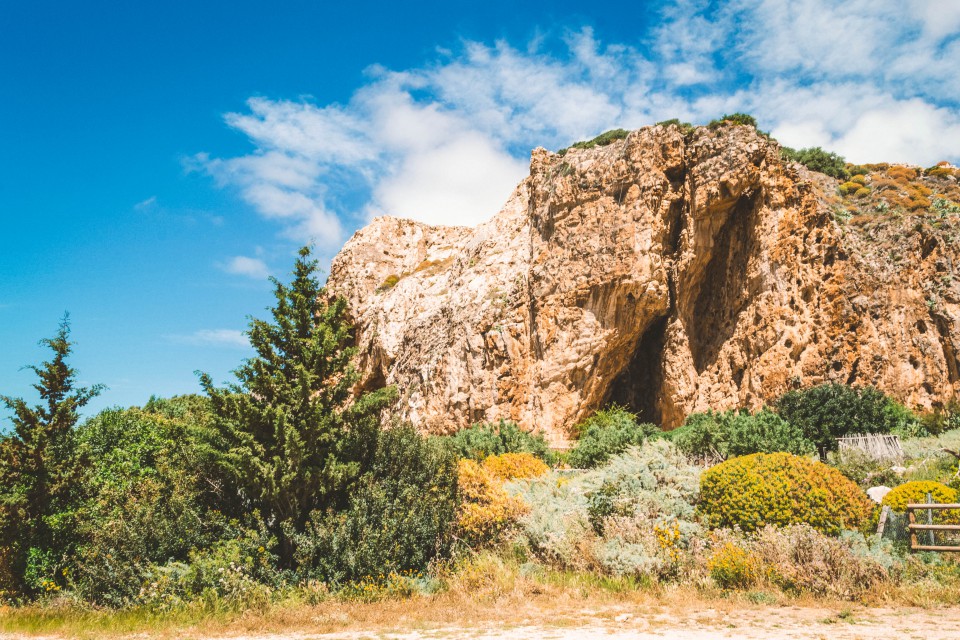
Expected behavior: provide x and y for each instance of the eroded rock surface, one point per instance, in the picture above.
(669, 273)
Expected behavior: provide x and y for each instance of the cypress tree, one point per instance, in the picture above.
(288, 436)
(40, 473)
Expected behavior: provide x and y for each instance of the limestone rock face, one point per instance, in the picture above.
(668, 273)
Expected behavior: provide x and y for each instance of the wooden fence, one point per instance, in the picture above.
(875, 445)
(929, 527)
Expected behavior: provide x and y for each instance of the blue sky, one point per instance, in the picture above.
(158, 161)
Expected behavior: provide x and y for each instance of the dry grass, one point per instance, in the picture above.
(485, 592)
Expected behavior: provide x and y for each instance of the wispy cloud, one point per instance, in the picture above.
(212, 338)
(143, 205)
(245, 266)
(446, 142)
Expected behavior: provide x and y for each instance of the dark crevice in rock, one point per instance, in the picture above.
(375, 380)
(638, 387)
(942, 323)
(724, 293)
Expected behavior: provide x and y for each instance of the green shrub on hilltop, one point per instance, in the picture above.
(607, 433)
(685, 127)
(779, 489)
(602, 140)
(816, 159)
(494, 438)
(734, 118)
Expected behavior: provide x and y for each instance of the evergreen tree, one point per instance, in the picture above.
(40, 472)
(289, 437)
(830, 411)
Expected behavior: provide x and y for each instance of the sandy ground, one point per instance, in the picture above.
(637, 623)
(769, 623)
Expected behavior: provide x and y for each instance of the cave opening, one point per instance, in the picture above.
(638, 386)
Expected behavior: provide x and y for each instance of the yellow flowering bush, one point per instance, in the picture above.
(511, 466)
(849, 187)
(733, 567)
(916, 492)
(781, 489)
(486, 510)
(670, 539)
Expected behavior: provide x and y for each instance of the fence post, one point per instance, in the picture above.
(884, 514)
(930, 518)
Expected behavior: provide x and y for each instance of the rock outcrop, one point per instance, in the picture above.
(668, 272)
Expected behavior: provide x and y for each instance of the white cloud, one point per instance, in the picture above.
(446, 142)
(245, 266)
(913, 131)
(468, 179)
(213, 338)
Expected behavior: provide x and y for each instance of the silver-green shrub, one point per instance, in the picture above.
(635, 515)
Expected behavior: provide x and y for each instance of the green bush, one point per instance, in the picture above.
(236, 573)
(832, 411)
(943, 207)
(942, 419)
(685, 127)
(816, 159)
(718, 436)
(734, 118)
(858, 170)
(602, 140)
(148, 498)
(779, 489)
(606, 433)
(492, 439)
(399, 517)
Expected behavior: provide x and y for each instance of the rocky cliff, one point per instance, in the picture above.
(670, 272)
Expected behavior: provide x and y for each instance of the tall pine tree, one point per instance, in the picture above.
(40, 472)
(289, 436)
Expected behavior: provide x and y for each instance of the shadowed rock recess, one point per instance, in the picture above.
(670, 273)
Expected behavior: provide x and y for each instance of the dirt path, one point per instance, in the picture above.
(761, 624)
(622, 622)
